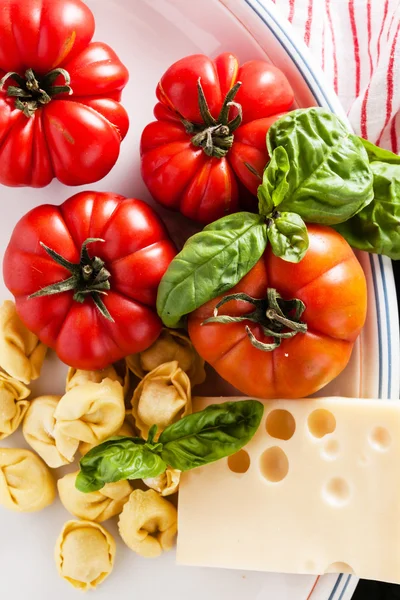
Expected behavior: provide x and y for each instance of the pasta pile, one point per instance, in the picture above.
(153, 387)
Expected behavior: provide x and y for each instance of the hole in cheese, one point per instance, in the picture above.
(280, 424)
(337, 491)
(321, 422)
(380, 439)
(239, 462)
(339, 567)
(274, 464)
(331, 449)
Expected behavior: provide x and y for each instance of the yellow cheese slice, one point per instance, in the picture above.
(317, 490)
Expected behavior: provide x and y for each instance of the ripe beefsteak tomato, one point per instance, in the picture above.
(85, 276)
(208, 144)
(286, 329)
(60, 111)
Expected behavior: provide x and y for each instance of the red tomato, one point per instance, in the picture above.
(198, 159)
(331, 284)
(65, 119)
(119, 275)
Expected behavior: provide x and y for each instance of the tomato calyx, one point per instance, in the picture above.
(88, 277)
(215, 137)
(34, 91)
(277, 318)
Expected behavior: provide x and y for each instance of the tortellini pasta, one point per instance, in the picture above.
(148, 523)
(38, 430)
(165, 484)
(170, 345)
(126, 430)
(77, 377)
(84, 554)
(118, 372)
(88, 413)
(13, 404)
(95, 506)
(21, 352)
(161, 398)
(26, 484)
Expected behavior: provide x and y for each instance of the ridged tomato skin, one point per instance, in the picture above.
(174, 168)
(136, 251)
(330, 282)
(75, 137)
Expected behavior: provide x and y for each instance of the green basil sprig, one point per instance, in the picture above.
(288, 236)
(134, 458)
(203, 437)
(377, 227)
(375, 153)
(318, 169)
(275, 186)
(210, 263)
(198, 439)
(287, 231)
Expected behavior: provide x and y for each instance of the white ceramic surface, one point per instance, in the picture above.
(149, 35)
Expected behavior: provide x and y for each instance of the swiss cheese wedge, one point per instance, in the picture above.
(317, 490)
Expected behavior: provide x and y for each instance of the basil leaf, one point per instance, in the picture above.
(115, 459)
(210, 263)
(203, 437)
(195, 440)
(288, 236)
(375, 153)
(275, 185)
(377, 227)
(329, 179)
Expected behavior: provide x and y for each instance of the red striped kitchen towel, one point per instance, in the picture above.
(358, 45)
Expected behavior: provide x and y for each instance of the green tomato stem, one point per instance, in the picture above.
(88, 277)
(278, 318)
(215, 136)
(34, 91)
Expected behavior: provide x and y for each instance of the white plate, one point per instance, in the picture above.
(149, 35)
